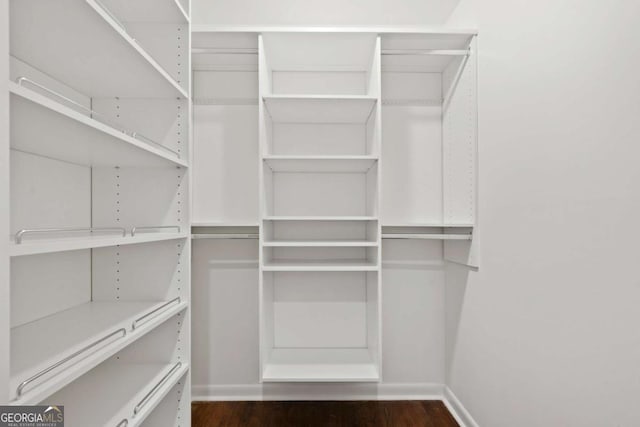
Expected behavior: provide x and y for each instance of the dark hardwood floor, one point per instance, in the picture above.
(430, 413)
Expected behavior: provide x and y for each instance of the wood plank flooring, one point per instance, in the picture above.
(430, 413)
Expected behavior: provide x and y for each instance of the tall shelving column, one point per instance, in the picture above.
(319, 170)
(99, 244)
(4, 207)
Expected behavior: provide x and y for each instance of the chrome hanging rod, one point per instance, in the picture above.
(225, 51)
(20, 234)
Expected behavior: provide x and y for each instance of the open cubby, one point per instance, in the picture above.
(320, 64)
(320, 326)
(317, 193)
(320, 233)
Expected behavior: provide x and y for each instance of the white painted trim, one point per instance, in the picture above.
(307, 391)
(204, 28)
(459, 412)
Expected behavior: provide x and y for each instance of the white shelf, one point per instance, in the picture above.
(81, 45)
(156, 11)
(224, 224)
(319, 108)
(320, 265)
(320, 163)
(40, 344)
(110, 392)
(429, 225)
(80, 139)
(419, 236)
(319, 218)
(320, 243)
(320, 365)
(42, 246)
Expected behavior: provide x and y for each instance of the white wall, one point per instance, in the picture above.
(547, 333)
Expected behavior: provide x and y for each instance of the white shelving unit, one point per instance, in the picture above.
(319, 207)
(355, 140)
(98, 234)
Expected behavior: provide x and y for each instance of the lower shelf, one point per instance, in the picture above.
(320, 365)
(320, 265)
(114, 391)
(48, 353)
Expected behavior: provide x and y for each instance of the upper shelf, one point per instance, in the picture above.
(80, 139)
(83, 45)
(319, 108)
(43, 246)
(156, 11)
(318, 218)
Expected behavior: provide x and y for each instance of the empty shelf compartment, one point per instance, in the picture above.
(320, 365)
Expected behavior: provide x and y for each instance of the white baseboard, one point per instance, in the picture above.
(459, 412)
(328, 391)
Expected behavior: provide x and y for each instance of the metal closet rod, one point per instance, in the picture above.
(94, 115)
(224, 236)
(19, 236)
(225, 50)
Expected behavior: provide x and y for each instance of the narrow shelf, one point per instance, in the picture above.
(320, 163)
(92, 332)
(318, 218)
(224, 224)
(320, 243)
(429, 236)
(225, 236)
(429, 225)
(320, 365)
(122, 388)
(320, 265)
(81, 139)
(43, 246)
(319, 108)
(51, 36)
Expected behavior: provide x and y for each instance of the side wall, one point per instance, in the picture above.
(546, 332)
